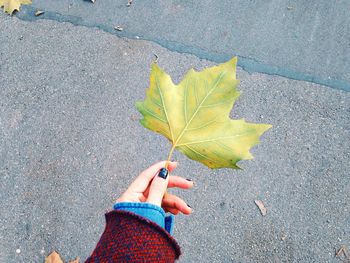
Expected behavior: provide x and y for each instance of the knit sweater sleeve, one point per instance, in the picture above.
(131, 238)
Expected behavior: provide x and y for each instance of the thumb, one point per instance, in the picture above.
(158, 187)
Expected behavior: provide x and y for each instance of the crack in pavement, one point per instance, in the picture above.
(246, 63)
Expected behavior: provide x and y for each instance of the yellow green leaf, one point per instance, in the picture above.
(194, 115)
(11, 5)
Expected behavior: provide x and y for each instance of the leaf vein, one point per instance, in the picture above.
(194, 114)
(154, 115)
(217, 104)
(203, 126)
(165, 111)
(155, 102)
(211, 140)
(204, 156)
(185, 107)
(195, 92)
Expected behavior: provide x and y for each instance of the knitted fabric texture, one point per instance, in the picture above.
(132, 238)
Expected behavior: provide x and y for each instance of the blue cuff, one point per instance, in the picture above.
(149, 211)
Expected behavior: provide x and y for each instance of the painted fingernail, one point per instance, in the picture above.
(188, 205)
(190, 180)
(163, 173)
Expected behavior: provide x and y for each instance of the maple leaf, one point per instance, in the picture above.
(194, 115)
(11, 5)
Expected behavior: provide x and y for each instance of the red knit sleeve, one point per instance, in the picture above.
(132, 238)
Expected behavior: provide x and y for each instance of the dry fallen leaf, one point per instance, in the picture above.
(283, 236)
(134, 117)
(39, 12)
(156, 60)
(11, 5)
(261, 206)
(343, 253)
(54, 257)
(118, 28)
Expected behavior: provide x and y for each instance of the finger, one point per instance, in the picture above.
(173, 201)
(175, 181)
(158, 187)
(143, 180)
(174, 211)
(180, 182)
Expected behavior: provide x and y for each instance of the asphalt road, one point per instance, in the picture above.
(70, 143)
(304, 40)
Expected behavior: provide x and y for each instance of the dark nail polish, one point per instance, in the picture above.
(188, 205)
(190, 180)
(163, 173)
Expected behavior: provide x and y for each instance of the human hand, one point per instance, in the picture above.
(151, 188)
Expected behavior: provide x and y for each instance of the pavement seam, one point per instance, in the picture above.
(250, 65)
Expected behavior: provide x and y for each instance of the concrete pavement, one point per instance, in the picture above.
(69, 144)
(303, 40)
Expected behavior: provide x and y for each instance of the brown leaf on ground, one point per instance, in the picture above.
(283, 236)
(343, 254)
(261, 206)
(54, 257)
(39, 12)
(118, 28)
(134, 117)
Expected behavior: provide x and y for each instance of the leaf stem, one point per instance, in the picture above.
(169, 156)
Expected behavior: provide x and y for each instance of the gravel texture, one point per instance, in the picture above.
(70, 143)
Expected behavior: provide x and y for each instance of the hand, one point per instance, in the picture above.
(151, 188)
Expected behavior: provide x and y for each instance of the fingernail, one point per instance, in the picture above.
(188, 205)
(163, 173)
(190, 180)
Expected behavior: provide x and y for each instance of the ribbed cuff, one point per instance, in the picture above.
(147, 210)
